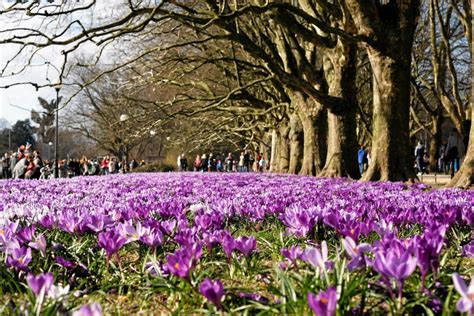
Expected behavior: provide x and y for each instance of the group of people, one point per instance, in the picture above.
(25, 164)
(450, 154)
(217, 163)
(28, 164)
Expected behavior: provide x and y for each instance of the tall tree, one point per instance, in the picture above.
(388, 28)
(22, 133)
(45, 120)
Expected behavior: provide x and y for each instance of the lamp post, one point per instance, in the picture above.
(123, 118)
(49, 150)
(57, 86)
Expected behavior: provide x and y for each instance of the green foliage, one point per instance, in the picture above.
(125, 286)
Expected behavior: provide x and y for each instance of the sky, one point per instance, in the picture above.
(24, 96)
(16, 102)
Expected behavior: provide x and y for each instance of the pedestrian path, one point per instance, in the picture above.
(435, 179)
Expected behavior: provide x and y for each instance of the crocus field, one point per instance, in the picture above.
(197, 243)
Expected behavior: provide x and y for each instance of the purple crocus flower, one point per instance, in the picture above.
(183, 260)
(318, 258)
(393, 264)
(26, 234)
(254, 297)
(39, 244)
(356, 252)
(299, 221)
(293, 253)
(466, 302)
(228, 244)
(111, 241)
(428, 250)
(153, 238)
(168, 226)
(325, 303)
(130, 232)
(8, 231)
(179, 264)
(93, 309)
(41, 283)
(468, 250)
(246, 245)
(65, 263)
(211, 239)
(19, 258)
(203, 221)
(213, 291)
(187, 237)
(98, 223)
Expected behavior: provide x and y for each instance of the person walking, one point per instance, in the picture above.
(419, 154)
(197, 163)
(38, 162)
(20, 168)
(183, 162)
(455, 149)
(13, 161)
(262, 164)
(228, 163)
(241, 162)
(111, 166)
(212, 163)
(30, 169)
(104, 166)
(247, 161)
(204, 163)
(5, 164)
(178, 162)
(361, 159)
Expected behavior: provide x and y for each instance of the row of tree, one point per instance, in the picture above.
(306, 81)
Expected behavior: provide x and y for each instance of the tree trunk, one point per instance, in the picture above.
(465, 175)
(309, 113)
(312, 160)
(391, 160)
(389, 28)
(274, 151)
(284, 157)
(340, 71)
(341, 159)
(435, 141)
(296, 144)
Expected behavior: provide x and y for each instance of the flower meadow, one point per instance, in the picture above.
(198, 243)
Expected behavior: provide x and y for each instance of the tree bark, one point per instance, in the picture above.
(341, 159)
(296, 144)
(274, 151)
(312, 159)
(465, 175)
(388, 29)
(340, 71)
(435, 141)
(284, 157)
(391, 159)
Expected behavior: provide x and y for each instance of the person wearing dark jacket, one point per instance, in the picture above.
(362, 159)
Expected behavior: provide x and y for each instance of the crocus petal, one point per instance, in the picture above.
(464, 304)
(459, 284)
